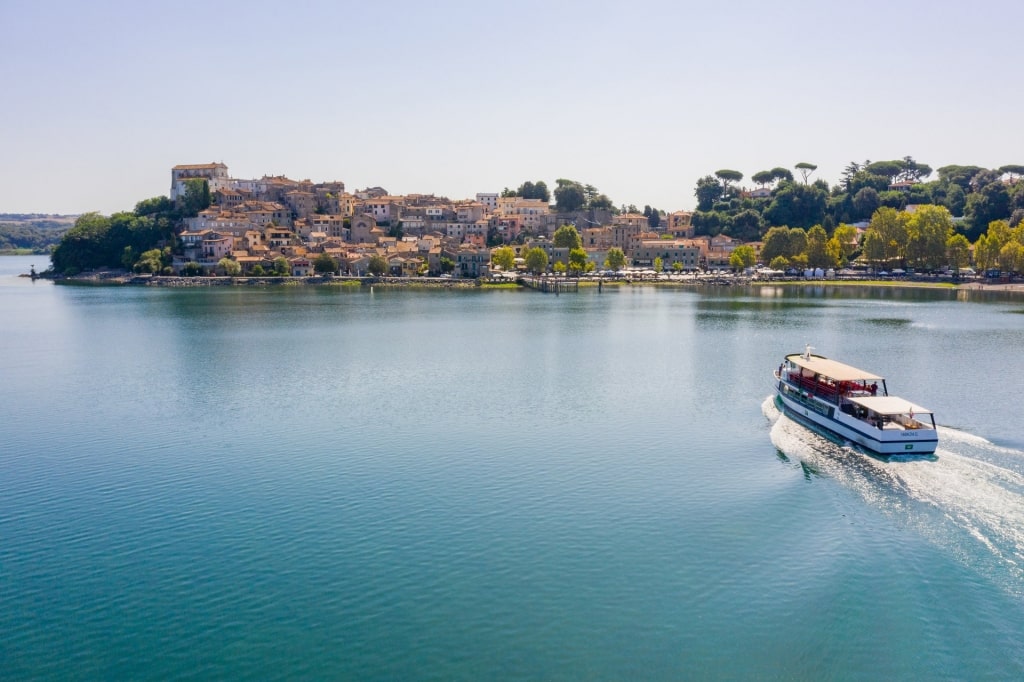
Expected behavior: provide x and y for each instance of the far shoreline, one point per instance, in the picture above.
(122, 278)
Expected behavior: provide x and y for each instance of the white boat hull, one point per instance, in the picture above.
(817, 414)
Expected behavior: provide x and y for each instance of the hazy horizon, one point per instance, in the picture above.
(639, 100)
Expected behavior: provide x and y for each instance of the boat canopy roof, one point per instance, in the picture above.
(836, 371)
(889, 405)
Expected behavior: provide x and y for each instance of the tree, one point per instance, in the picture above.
(991, 202)
(577, 260)
(659, 264)
(536, 260)
(1017, 217)
(873, 247)
(196, 197)
(775, 243)
(956, 200)
(84, 246)
(504, 257)
(762, 178)
(930, 228)
(1011, 257)
(534, 190)
(846, 237)
(155, 205)
(893, 199)
(797, 205)
(962, 176)
(150, 261)
(654, 219)
(727, 177)
(866, 202)
(779, 263)
(781, 174)
(709, 222)
(985, 252)
(567, 237)
(805, 169)
(958, 252)
(601, 203)
(835, 252)
(569, 196)
(708, 191)
(890, 170)
(847, 178)
(447, 264)
(558, 267)
(1013, 170)
(616, 259)
(797, 242)
(914, 171)
(229, 267)
(890, 226)
(742, 257)
(325, 263)
(746, 225)
(377, 266)
(281, 267)
(817, 248)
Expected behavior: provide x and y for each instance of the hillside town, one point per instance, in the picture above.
(255, 223)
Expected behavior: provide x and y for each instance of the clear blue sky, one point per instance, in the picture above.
(642, 98)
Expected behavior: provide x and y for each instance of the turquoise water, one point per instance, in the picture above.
(312, 483)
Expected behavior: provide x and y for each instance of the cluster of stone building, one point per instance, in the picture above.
(257, 222)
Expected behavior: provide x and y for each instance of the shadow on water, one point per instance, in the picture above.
(890, 322)
(967, 499)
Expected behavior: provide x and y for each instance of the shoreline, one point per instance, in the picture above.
(122, 278)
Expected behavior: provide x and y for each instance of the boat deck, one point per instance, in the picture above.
(859, 401)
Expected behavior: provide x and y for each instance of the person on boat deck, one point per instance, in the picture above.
(874, 388)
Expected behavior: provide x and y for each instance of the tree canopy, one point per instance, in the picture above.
(377, 266)
(98, 241)
(567, 237)
(504, 257)
(534, 190)
(536, 260)
(569, 196)
(616, 258)
(325, 263)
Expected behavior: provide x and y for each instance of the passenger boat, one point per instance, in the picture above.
(853, 405)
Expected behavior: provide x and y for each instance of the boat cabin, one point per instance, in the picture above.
(814, 380)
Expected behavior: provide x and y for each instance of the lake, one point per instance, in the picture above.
(320, 483)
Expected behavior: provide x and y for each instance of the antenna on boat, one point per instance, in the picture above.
(807, 351)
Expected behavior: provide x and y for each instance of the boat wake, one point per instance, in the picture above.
(969, 497)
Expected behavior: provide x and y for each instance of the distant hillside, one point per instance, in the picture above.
(32, 232)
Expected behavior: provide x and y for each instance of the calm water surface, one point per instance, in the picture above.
(306, 482)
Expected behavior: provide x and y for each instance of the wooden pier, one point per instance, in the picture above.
(551, 285)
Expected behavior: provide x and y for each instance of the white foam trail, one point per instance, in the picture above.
(973, 493)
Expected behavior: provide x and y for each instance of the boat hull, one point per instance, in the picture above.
(822, 417)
